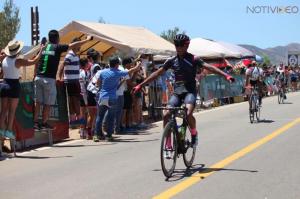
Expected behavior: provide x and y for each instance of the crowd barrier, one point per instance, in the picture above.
(216, 87)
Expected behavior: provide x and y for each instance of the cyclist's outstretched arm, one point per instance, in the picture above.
(217, 71)
(153, 76)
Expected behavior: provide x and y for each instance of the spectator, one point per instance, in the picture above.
(127, 109)
(93, 57)
(109, 80)
(120, 95)
(70, 71)
(294, 78)
(83, 80)
(138, 78)
(10, 94)
(45, 80)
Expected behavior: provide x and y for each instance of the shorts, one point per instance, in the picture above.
(293, 79)
(283, 82)
(127, 100)
(177, 100)
(73, 89)
(91, 99)
(83, 100)
(259, 84)
(254, 83)
(45, 90)
(10, 88)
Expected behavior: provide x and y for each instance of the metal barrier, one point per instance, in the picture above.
(214, 86)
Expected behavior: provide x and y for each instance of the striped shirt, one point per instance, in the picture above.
(71, 68)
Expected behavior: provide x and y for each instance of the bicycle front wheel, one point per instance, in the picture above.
(190, 151)
(280, 97)
(168, 149)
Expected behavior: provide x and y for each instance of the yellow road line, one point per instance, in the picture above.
(223, 163)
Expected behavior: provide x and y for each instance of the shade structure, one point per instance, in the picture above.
(208, 49)
(259, 59)
(108, 38)
(238, 49)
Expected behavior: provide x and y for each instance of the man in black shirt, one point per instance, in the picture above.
(45, 80)
(184, 66)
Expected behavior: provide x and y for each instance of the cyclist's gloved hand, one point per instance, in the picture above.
(136, 89)
(230, 78)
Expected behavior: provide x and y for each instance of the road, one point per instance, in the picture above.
(266, 165)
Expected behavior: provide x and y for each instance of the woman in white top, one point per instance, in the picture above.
(10, 93)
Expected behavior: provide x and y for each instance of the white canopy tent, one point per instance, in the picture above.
(108, 38)
(238, 49)
(209, 49)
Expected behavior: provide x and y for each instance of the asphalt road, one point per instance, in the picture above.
(266, 165)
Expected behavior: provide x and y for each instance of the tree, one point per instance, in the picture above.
(169, 34)
(101, 20)
(267, 60)
(9, 23)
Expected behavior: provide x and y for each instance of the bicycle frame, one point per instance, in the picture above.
(172, 119)
(254, 109)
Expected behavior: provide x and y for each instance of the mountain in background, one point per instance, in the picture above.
(276, 54)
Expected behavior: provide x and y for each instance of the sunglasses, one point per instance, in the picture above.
(181, 43)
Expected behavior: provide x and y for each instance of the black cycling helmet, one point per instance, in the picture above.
(181, 39)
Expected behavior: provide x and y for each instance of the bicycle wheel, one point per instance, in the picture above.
(257, 111)
(282, 97)
(251, 109)
(168, 150)
(190, 151)
(279, 97)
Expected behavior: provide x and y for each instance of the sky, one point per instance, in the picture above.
(231, 20)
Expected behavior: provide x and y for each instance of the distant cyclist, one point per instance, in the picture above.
(282, 78)
(185, 66)
(254, 77)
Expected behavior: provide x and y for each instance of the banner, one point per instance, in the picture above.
(293, 59)
(23, 124)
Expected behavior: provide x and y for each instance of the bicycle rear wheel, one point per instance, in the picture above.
(168, 150)
(190, 151)
(257, 113)
(251, 108)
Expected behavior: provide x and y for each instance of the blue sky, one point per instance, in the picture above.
(218, 20)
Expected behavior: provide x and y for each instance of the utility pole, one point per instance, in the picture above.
(35, 30)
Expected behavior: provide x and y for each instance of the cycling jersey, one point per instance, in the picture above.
(185, 70)
(255, 73)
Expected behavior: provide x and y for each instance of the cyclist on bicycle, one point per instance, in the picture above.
(281, 78)
(184, 66)
(254, 77)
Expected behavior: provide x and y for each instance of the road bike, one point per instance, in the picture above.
(176, 141)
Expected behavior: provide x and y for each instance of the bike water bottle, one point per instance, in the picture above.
(181, 132)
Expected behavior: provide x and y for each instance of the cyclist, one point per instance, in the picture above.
(185, 66)
(254, 76)
(281, 78)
